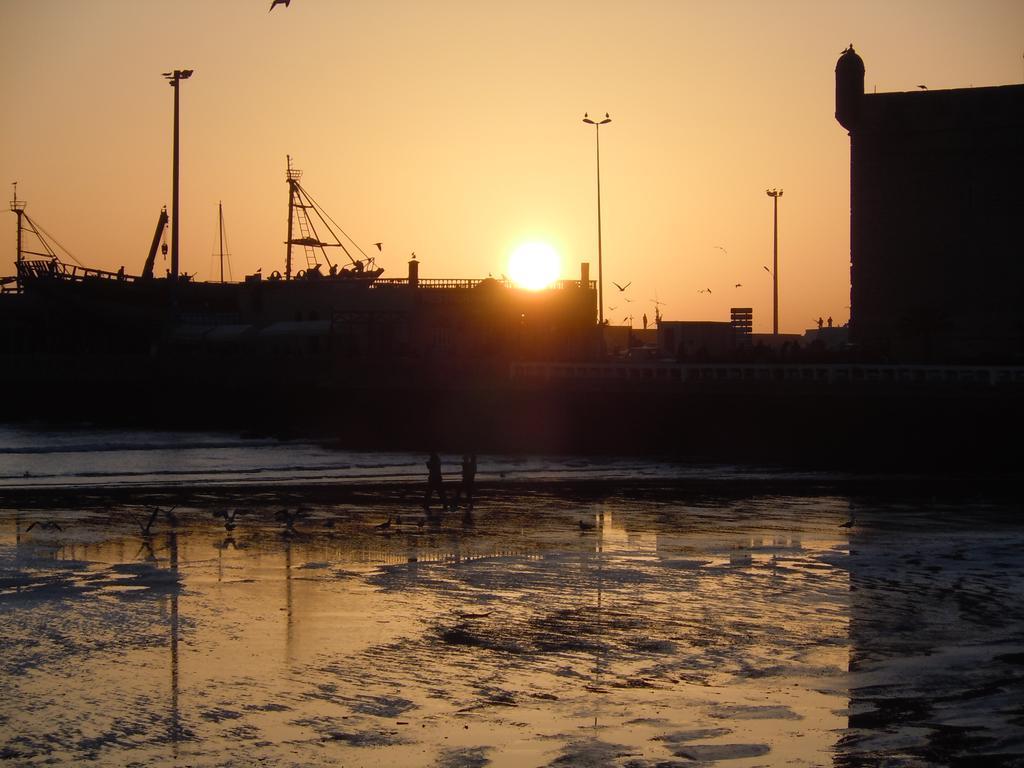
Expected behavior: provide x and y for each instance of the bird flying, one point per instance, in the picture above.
(278, 2)
(739, 285)
(622, 287)
(767, 270)
(379, 246)
(923, 87)
(722, 249)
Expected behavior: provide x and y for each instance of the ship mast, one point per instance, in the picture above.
(293, 182)
(306, 219)
(220, 234)
(18, 206)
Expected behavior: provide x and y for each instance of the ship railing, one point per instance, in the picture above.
(10, 284)
(73, 272)
(452, 283)
(856, 373)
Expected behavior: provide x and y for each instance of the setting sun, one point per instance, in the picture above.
(534, 266)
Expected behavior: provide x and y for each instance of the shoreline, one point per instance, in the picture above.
(390, 492)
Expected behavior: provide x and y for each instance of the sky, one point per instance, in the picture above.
(453, 129)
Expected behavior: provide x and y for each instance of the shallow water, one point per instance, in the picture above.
(88, 458)
(680, 630)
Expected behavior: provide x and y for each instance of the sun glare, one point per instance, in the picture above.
(534, 266)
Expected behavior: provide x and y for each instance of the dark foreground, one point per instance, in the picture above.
(732, 626)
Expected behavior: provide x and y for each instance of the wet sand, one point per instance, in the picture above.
(676, 626)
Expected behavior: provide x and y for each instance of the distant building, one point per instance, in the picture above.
(833, 339)
(936, 224)
(742, 320)
(695, 339)
(616, 339)
(774, 341)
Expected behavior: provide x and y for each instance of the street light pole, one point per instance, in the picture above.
(175, 77)
(600, 271)
(775, 194)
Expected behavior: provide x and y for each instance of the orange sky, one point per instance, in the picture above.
(452, 128)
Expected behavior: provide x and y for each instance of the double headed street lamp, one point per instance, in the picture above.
(175, 77)
(775, 194)
(600, 274)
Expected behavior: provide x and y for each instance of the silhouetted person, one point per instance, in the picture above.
(645, 321)
(820, 323)
(434, 482)
(830, 322)
(468, 477)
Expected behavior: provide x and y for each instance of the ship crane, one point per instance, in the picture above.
(161, 226)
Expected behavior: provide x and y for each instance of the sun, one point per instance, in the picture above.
(534, 266)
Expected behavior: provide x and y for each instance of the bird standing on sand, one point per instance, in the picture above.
(383, 526)
(289, 518)
(229, 517)
(587, 526)
(278, 2)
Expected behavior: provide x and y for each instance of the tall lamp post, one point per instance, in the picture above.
(775, 194)
(600, 273)
(175, 77)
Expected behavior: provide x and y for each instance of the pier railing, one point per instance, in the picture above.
(445, 283)
(854, 373)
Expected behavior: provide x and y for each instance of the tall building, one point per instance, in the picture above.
(936, 219)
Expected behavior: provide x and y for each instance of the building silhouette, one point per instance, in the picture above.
(936, 231)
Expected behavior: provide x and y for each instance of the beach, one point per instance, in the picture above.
(733, 616)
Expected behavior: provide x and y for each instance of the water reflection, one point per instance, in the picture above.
(703, 630)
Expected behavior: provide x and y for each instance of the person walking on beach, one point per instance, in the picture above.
(434, 481)
(468, 477)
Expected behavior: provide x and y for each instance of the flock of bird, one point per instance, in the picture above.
(736, 285)
(657, 304)
(629, 318)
